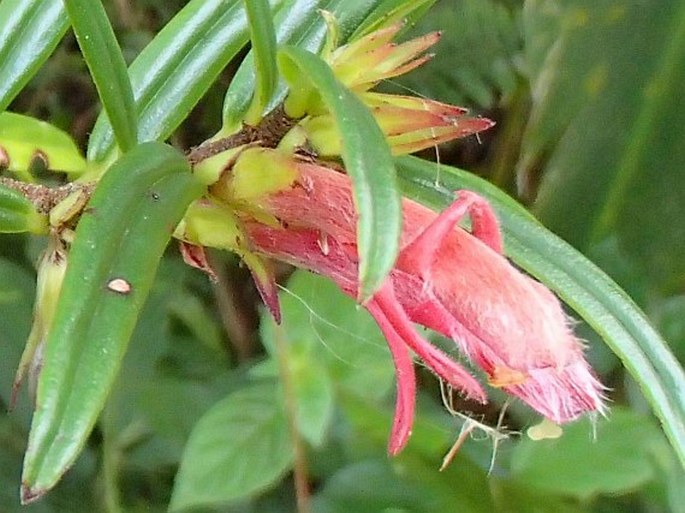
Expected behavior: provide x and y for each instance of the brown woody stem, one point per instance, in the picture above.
(44, 198)
(268, 133)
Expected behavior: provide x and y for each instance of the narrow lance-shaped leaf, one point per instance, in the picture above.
(177, 68)
(367, 159)
(289, 22)
(590, 292)
(263, 38)
(29, 32)
(101, 51)
(118, 244)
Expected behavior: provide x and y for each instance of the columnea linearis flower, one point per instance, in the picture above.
(448, 279)
(281, 204)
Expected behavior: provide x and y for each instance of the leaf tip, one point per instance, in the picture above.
(29, 495)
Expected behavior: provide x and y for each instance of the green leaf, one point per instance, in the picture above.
(374, 485)
(158, 397)
(368, 161)
(622, 457)
(17, 214)
(408, 483)
(514, 497)
(669, 315)
(29, 32)
(307, 363)
(298, 23)
(586, 289)
(24, 139)
(119, 241)
(263, 38)
(76, 494)
(106, 63)
(176, 69)
(318, 316)
(477, 60)
(198, 319)
(313, 388)
(17, 291)
(608, 125)
(292, 23)
(238, 448)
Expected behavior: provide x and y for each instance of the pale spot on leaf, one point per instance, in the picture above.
(119, 285)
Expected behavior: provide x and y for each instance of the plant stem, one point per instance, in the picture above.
(508, 143)
(268, 133)
(44, 198)
(110, 471)
(301, 472)
(234, 316)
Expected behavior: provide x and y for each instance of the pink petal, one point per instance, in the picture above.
(436, 360)
(406, 381)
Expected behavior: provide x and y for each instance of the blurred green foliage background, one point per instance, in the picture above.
(590, 134)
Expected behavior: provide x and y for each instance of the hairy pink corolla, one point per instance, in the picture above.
(453, 281)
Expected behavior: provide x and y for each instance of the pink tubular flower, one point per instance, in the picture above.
(450, 280)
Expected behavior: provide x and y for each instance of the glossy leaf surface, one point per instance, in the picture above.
(101, 52)
(118, 244)
(177, 68)
(29, 32)
(263, 38)
(298, 23)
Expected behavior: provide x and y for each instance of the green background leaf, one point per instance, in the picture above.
(238, 448)
(17, 214)
(478, 59)
(16, 297)
(622, 450)
(316, 314)
(604, 79)
(36, 25)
